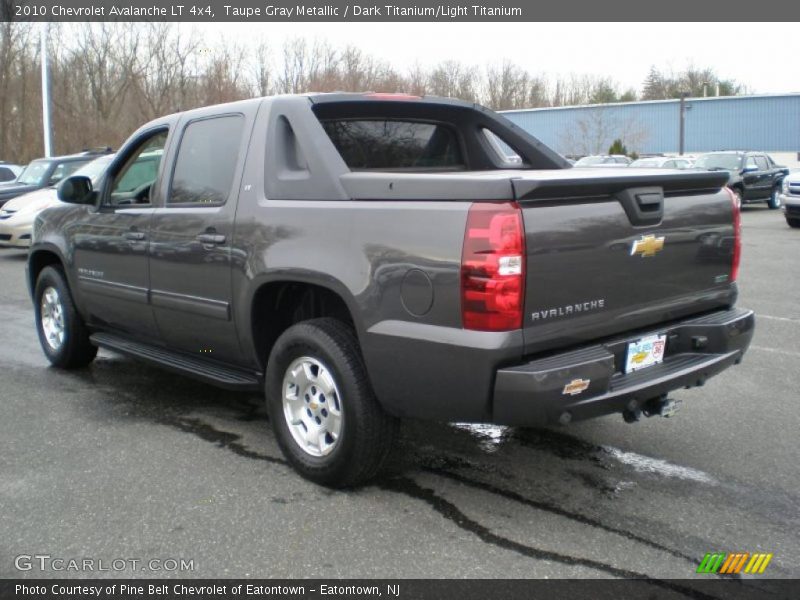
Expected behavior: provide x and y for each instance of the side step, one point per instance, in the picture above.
(196, 368)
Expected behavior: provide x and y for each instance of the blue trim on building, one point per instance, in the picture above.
(769, 123)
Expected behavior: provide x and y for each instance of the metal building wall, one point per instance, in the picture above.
(770, 123)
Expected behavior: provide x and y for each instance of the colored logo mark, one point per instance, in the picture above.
(647, 246)
(733, 562)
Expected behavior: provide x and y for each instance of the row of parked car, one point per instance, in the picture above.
(33, 189)
(754, 176)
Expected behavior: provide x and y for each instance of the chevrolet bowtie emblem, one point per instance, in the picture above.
(647, 246)
(576, 386)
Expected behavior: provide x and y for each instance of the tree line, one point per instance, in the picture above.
(109, 78)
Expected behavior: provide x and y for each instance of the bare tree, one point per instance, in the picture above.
(597, 127)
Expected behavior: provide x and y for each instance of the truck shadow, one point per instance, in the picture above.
(513, 471)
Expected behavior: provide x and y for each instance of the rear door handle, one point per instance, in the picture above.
(134, 236)
(211, 238)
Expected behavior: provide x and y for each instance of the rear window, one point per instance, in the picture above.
(388, 144)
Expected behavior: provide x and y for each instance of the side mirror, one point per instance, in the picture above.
(76, 190)
(750, 169)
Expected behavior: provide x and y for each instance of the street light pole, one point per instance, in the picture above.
(46, 127)
(682, 134)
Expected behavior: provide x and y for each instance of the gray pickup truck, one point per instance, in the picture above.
(367, 257)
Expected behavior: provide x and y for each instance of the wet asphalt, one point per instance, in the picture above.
(124, 461)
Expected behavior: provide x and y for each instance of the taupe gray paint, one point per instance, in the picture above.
(389, 245)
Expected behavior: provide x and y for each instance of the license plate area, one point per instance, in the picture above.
(645, 352)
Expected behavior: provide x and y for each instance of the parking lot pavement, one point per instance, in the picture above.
(124, 461)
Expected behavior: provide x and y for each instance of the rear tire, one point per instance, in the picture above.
(792, 222)
(62, 333)
(774, 201)
(326, 418)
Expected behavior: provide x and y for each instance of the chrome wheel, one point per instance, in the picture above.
(52, 316)
(312, 406)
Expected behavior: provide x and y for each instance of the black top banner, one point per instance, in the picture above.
(712, 11)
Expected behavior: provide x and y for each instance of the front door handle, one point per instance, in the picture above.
(134, 236)
(211, 238)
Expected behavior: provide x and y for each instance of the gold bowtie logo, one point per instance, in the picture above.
(647, 246)
(576, 386)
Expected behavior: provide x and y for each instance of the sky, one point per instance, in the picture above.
(747, 52)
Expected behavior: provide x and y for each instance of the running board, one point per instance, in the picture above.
(196, 368)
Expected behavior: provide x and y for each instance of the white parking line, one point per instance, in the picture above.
(772, 318)
(775, 350)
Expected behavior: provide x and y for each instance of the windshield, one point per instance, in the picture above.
(729, 162)
(34, 173)
(646, 162)
(590, 160)
(94, 169)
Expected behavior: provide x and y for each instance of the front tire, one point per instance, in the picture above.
(326, 418)
(774, 201)
(62, 333)
(793, 222)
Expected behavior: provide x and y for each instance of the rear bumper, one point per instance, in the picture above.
(535, 393)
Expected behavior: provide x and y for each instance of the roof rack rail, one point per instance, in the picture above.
(98, 150)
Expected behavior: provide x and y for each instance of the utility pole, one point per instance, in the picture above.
(682, 133)
(46, 126)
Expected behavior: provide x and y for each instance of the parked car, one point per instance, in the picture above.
(662, 162)
(9, 172)
(18, 214)
(605, 160)
(44, 172)
(790, 198)
(366, 257)
(754, 176)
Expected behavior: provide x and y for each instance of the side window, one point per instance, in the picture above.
(670, 164)
(206, 161)
(503, 151)
(132, 184)
(762, 163)
(6, 174)
(750, 162)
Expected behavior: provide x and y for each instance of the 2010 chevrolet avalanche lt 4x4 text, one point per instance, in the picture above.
(365, 257)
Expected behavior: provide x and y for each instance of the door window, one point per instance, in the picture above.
(750, 162)
(134, 181)
(206, 161)
(762, 163)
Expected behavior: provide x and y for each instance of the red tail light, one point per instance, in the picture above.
(493, 268)
(737, 235)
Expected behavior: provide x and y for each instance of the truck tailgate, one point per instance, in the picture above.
(610, 251)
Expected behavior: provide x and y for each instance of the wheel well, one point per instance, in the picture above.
(38, 261)
(279, 305)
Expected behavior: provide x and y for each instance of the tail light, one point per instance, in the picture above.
(737, 235)
(493, 268)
